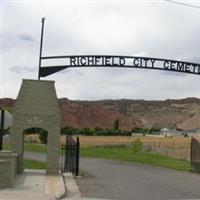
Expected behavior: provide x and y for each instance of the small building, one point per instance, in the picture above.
(166, 132)
(192, 132)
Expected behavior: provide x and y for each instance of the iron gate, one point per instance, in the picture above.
(71, 156)
(195, 155)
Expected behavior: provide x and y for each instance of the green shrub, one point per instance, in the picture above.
(140, 130)
(68, 130)
(137, 145)
(116, 125)
(97, 131)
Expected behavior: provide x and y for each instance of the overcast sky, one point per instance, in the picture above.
(145, 28)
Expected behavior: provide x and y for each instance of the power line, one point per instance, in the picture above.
(183, 4)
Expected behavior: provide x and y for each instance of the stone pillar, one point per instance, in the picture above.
(37, 106)
(53, 151)
(7, 169)
(17, 142)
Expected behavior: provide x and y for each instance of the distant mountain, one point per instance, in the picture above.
(183, 113)
(6, 102)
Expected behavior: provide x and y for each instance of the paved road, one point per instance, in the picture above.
(35, 156)
(122, 180)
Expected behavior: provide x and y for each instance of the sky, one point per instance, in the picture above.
(158, 28)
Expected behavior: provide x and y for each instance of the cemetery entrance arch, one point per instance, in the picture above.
(37, 106)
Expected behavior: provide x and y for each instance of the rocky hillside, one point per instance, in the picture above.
(184, 113)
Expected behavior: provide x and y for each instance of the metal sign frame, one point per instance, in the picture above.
(115, 61)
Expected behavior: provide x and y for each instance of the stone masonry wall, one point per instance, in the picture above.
(37, 106)
(7, 173)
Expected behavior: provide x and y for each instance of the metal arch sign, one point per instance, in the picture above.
(119, 61)
(114, 61)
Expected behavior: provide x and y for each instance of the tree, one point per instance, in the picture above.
(43, 134)
(116, 125)
(68, 130)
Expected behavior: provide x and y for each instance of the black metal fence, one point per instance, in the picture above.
(195, 155)
(71, 155)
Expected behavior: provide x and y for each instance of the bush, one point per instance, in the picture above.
(154, 131)
(97, 131)
(140, 130)
(85, 131)
(68, 130)
(146, 130)
(137, 145)
(116, 125)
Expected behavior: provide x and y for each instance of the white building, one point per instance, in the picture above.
(170, 132)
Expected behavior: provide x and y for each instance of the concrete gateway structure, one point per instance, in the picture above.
(37, 106)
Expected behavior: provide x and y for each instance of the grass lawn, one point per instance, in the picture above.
(126, 154)
(115, 153)
(40, 148)
(33, 164)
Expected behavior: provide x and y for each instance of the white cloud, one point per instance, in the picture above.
(25, 36)
(142, 28)
(21, 69)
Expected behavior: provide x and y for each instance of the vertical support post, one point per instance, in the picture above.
(1, 130)
(66, 154)
(77, 155)
(191, 154)
(41, 43)
(62, 154)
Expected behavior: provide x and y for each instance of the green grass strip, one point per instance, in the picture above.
(126, 154)
(120, 153)
(34, 164)
(40, 148)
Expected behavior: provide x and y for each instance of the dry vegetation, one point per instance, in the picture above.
(32, 138)
(117, 140)
(177, 147)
